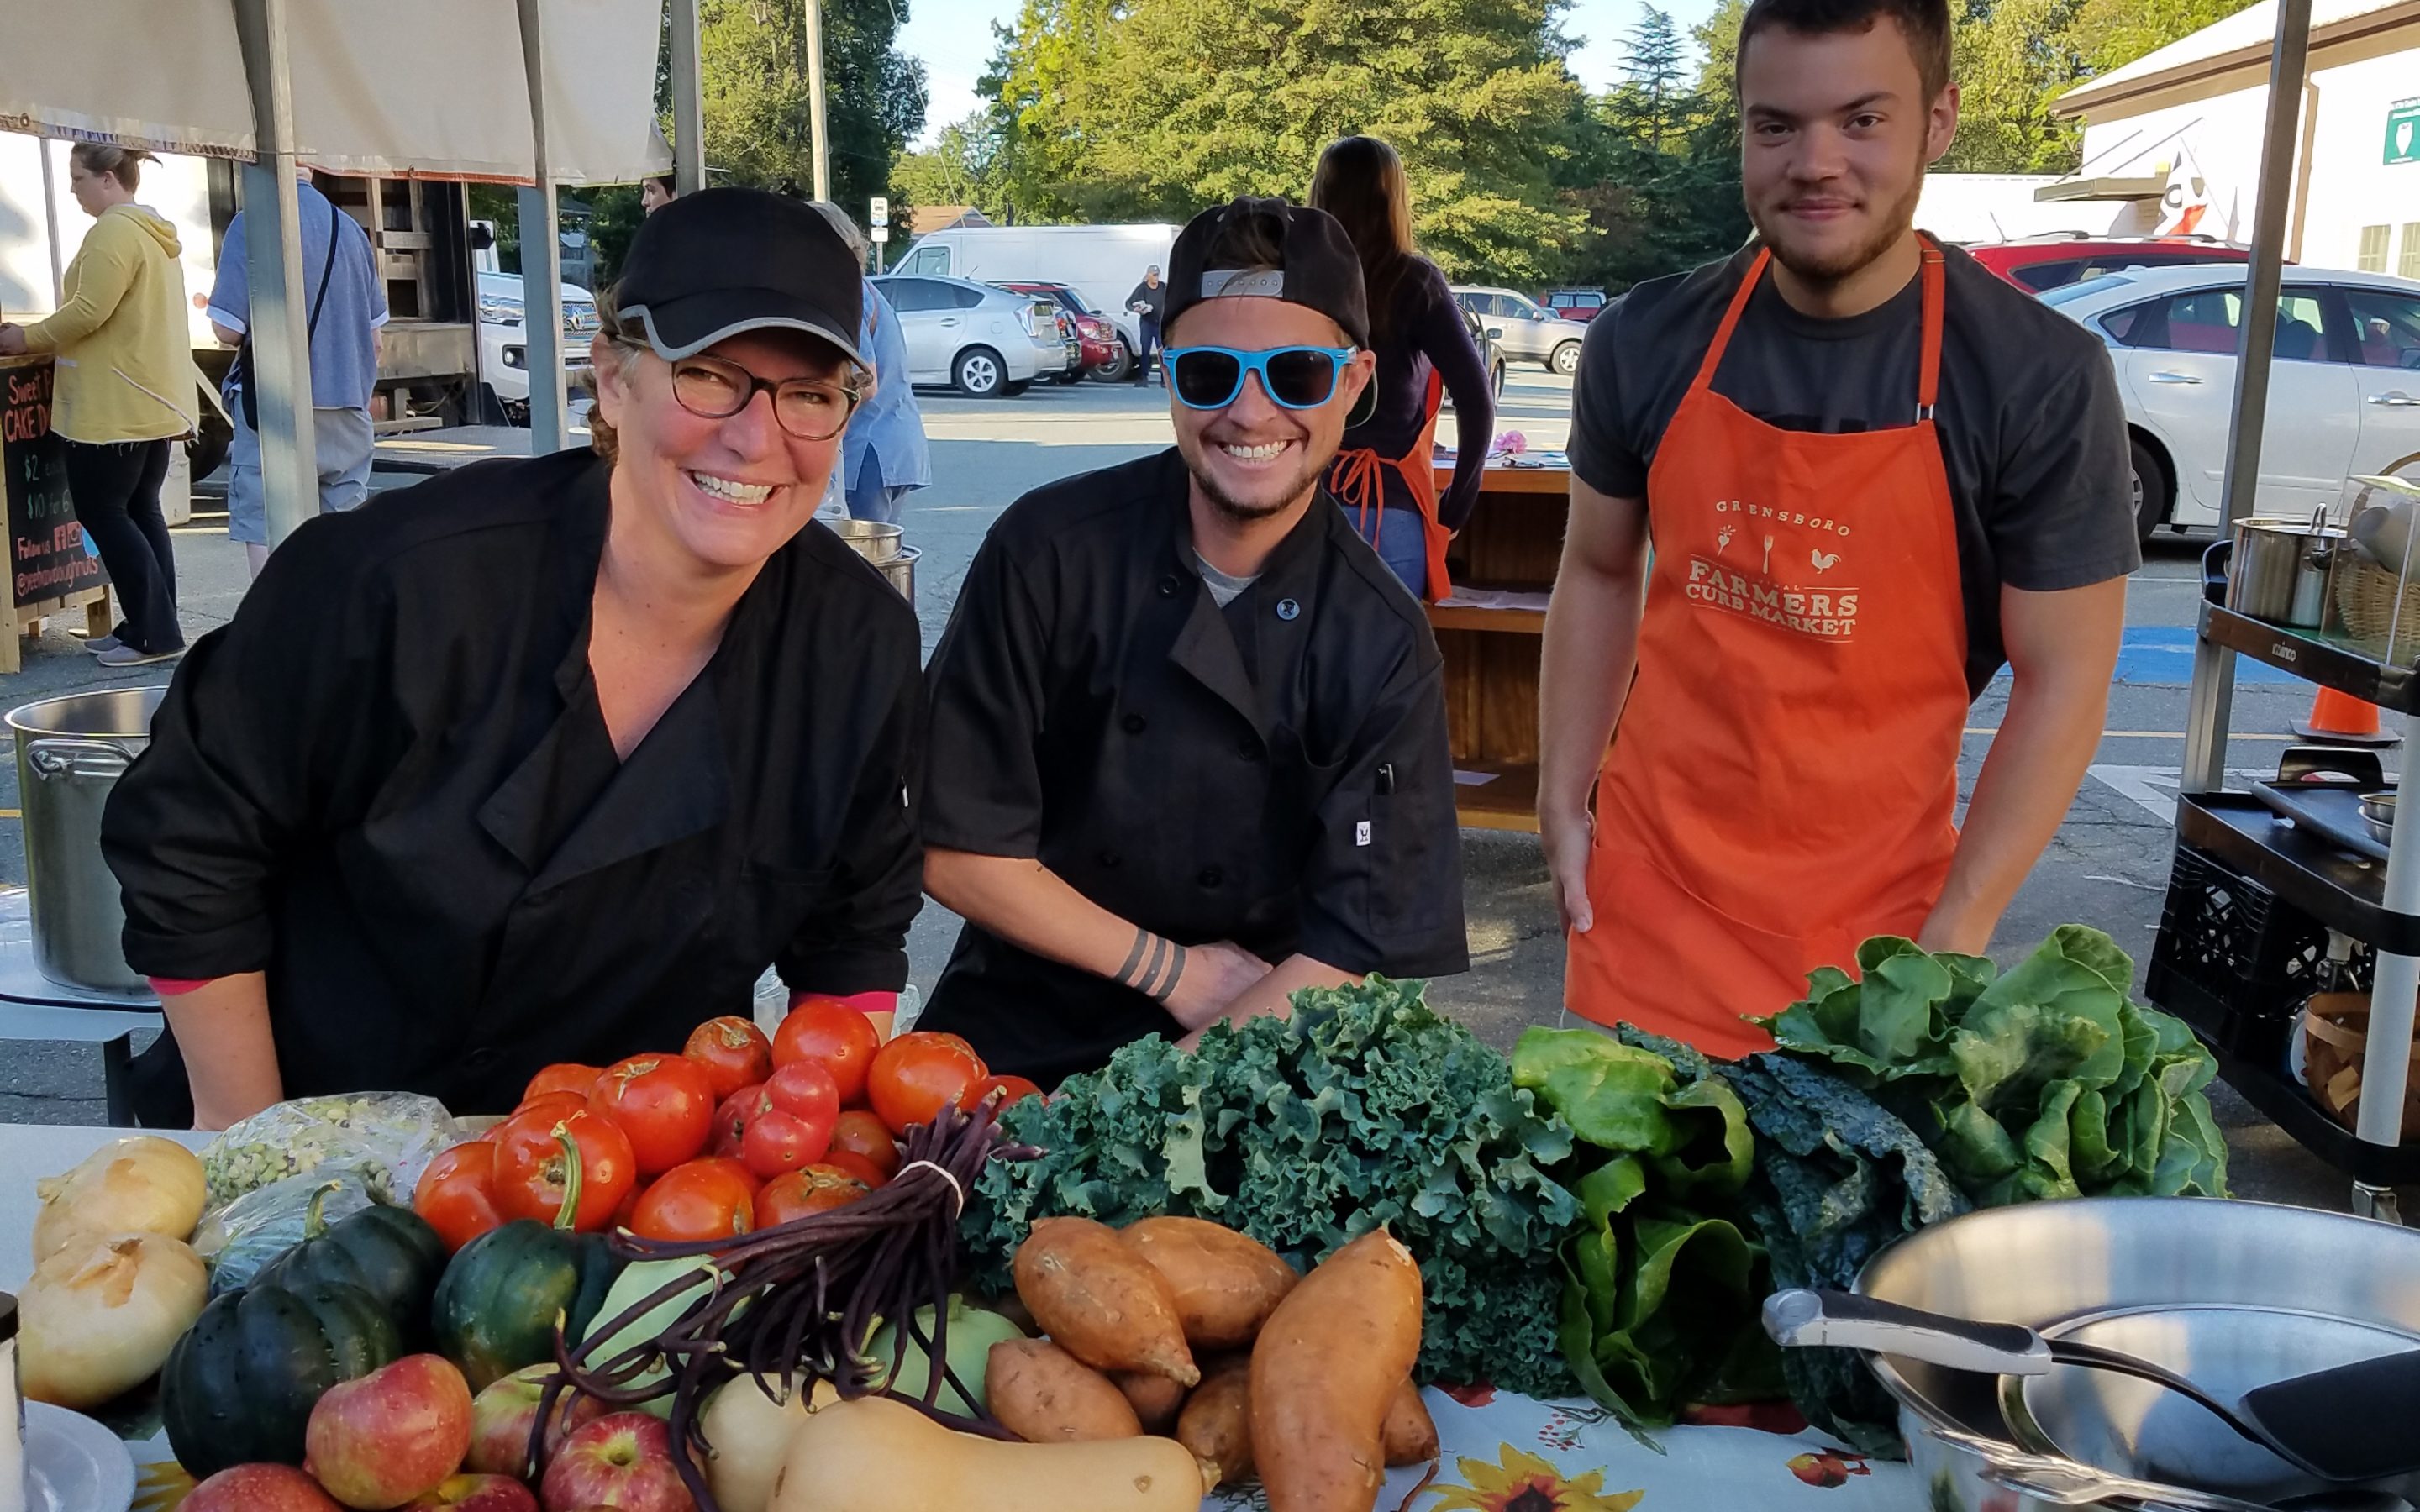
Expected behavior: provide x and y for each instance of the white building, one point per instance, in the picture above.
(2175, 135)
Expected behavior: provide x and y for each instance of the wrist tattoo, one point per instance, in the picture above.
(1153, 966)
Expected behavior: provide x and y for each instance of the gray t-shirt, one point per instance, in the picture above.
(2033, 434)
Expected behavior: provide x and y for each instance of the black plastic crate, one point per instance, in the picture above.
(2236, 961)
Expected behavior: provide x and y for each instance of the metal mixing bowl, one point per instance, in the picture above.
(2046, 1264)
(2378, 813)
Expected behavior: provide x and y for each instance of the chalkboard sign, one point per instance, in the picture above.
(47, 558)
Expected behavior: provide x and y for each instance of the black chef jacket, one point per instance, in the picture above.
(1093, 709)
(388, 784)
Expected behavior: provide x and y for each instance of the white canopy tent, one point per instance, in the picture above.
(539, 93)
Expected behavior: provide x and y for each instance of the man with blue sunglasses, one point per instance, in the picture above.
(1187, 751)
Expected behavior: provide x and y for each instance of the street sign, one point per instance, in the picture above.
(2403, 132)
(882, 212)
(881, 235)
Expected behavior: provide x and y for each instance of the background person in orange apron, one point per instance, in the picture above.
(1872, 473)
(1382, 474)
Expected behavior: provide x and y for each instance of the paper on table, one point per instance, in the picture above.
(1496, 598)
(1473, 780)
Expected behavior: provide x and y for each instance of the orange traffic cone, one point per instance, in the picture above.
(2342, 720)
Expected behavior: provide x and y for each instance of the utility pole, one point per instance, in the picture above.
(820, 143)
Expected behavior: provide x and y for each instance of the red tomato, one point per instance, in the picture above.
(564, 1076)
(734, 1052)
(456, 1194)
(1018, 1089)
(829, 1030)
(621, 1218)
(806, 1088)
(918, 1074)
(778, 1142)
(816, 1189)
(730, 1120)
(732, 1166)
(702, 1199)
(860, 1134)
(534, 1170)
(665, 1103)
(556, 1104)
(856, 1165)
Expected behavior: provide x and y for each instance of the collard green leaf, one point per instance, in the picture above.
(1898, 1019)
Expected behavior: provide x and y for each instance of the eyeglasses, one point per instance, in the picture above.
(811, 409)
(1297, 377)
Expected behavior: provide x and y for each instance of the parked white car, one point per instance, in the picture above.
(984, 341)
(504, 358)
(2344, 391)
(1103, 263)
(1528, 331)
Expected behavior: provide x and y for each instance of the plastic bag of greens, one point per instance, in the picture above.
(388, 1137)
(243, 1236)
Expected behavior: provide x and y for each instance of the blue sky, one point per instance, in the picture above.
(953, 38)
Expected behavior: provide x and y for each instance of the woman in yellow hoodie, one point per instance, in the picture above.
(124, 393)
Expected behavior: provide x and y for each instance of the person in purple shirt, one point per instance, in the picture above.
(1382, 476)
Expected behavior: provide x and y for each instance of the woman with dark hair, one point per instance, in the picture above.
(1383, 474)
(548, 759)
(126, 386)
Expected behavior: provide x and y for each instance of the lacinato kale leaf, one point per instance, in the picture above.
(1365, 1108)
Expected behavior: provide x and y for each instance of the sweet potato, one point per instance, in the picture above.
(1409, 1435)
(1216, 1423)
(1044, 1394)
(1225, 1283)
(1324, 1370)
(1100, 1301)
(1155, 1399)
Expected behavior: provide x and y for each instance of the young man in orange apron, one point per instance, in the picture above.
(1871, 474)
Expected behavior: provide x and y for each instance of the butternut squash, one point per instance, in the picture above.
(874, 1455)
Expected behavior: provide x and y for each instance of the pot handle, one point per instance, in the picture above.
(61, 756)
(1804, 1318)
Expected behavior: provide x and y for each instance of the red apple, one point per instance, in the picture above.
(396, 1432)
(259, 1489)
(622, 1460)
(478, 1493)
(502, 1415)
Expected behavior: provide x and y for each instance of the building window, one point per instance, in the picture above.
(2372, 259)
(2411, 267)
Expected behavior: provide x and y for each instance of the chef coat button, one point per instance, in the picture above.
(1134, 724)
(482, 1057)
(1210, 876)
(1110, 860)
(1288, 608)
(1167, 587)
(1248, 748)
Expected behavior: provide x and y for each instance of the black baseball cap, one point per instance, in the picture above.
(713, 264)
(1316, 266)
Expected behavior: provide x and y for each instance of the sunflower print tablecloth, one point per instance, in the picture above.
(1503, 1452)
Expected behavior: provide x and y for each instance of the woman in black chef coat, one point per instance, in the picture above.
(548, 759)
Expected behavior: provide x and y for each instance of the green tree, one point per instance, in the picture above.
(962, 167)
(758, 120)
(2013, 59)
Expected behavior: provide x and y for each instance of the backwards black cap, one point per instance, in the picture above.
(711, 264)
(1316, 264)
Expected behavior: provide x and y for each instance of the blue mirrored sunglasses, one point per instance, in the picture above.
(1297, 377)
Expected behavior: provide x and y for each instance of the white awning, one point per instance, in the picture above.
(436, 88)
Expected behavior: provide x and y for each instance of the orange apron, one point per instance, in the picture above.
(1355, 480)
(1784, 780)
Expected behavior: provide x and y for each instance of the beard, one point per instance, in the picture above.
(1831, 268)
(1245, 511)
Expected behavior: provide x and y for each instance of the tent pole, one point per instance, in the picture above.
(688, 100)
(541, 257)
(281, 342)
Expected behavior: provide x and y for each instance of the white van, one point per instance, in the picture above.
(1103, 263)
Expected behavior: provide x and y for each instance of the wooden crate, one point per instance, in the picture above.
(1511, 546)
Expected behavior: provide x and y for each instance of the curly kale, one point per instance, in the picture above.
(1365, 1108)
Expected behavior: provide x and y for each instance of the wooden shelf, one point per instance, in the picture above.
(1474, 617)
(1508, 802)
(1499, 479)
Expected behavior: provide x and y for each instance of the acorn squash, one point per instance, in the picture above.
(239, 1386)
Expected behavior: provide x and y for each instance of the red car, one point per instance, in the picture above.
(2041, 263)
(1102, 353)
(1581, 304)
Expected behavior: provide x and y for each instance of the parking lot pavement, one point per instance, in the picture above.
(2109, 865)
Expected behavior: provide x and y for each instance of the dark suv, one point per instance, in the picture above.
(2040, 263)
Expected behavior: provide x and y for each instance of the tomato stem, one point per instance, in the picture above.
(566, 1216)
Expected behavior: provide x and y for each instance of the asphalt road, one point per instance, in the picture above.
(2108, 867)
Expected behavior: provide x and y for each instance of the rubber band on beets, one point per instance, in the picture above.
(957, 1193)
